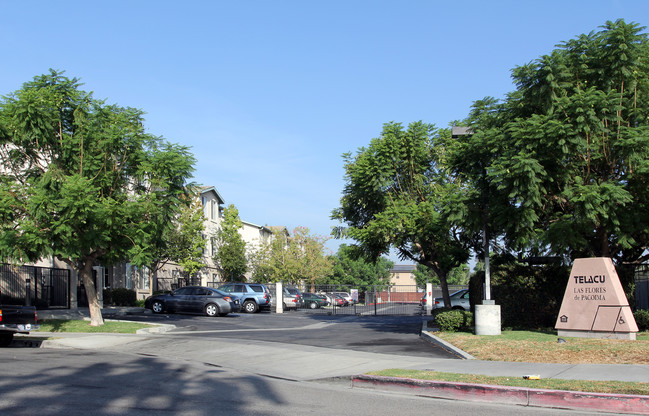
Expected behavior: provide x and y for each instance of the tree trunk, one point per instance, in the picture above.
(96, 318)
(444, 284)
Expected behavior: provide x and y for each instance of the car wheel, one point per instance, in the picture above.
(5, 339)
(157, 306)
(211, 310)
(313, 305)
(250, 306)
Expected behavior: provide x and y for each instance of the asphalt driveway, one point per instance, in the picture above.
(397, 335)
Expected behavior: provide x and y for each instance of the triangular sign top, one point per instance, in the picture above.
(594, 299)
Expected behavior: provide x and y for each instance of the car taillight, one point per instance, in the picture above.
(423, 301)
(437, 302)
(227, 298)
(35, 316)
(0, 315)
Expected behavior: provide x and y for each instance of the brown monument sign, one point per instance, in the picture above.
(594, 304)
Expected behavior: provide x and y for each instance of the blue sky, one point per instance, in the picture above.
(270, 94)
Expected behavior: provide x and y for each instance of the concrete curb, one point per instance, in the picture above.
(428, 336)
(157, 329)
(521, 396)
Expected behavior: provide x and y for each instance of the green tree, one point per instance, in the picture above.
(351, 268)
(175, 238)
(457, 276)
(79, 178)
(230, 256)
(398, 193)
(292, 259)
(185, 240)
(568, 164)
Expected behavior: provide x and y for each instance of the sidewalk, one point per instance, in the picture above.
(304, 363)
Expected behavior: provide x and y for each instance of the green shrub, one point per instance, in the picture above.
(120, 297)
(529, 296)
(453, 320)
(642, 319)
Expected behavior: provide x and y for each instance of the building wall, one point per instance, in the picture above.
(402, 275)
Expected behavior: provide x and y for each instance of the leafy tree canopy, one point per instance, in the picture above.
(351, 268)
(292, 259)
(398, 193)
(82, 180)
(185, 242)
(231, 248)
(457, 276)
(565, 157)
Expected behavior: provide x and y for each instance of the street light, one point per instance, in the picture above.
(487, 315)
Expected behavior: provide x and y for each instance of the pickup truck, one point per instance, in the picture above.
(16, 319)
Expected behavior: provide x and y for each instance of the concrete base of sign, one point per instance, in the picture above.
(487, 320)
(596, 334)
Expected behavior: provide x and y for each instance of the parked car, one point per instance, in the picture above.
(314, 301)
(16, 320)
(337, 300)
(346, 296)
(194, 299)
(253, 296)
(288, 300)
(295, 292)
(459, 300)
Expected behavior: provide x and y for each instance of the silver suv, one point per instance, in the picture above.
(253, 296)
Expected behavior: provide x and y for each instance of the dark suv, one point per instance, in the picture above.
(253, 296)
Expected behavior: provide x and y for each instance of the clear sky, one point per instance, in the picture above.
(270, 94)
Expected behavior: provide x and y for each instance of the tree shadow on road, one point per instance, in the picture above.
(87, 382)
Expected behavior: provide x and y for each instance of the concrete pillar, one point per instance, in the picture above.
(487, 319)
(279, 294)
(429, 299)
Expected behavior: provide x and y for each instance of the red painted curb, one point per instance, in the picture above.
(521, 396)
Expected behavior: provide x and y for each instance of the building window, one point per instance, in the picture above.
(129, 276)
(144, 280)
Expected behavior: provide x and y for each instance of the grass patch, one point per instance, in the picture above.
(612, 387)
(542, 347)
(74, 325)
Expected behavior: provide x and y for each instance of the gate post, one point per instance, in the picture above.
(429, 298)
(28, 289)
(279, 294)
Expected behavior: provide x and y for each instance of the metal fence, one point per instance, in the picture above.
(43, 287)
(375, 300)
(642, 286)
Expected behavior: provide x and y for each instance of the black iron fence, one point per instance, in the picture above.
(373, 299)
(43, 287)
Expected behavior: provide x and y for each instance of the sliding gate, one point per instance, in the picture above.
(370, 300)
(374, 300)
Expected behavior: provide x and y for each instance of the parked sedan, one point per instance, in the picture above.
(459, 300)
(345, 296)
(336, 300)
(314, 301)
(194, 299)
(295, 292)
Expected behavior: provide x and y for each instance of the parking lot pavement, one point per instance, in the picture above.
(305, 348)
(378, 334)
